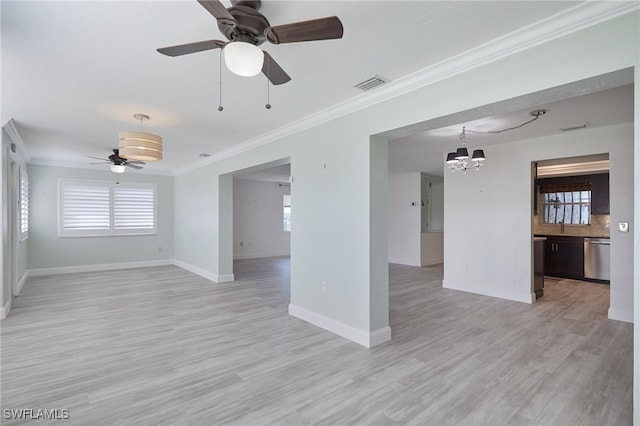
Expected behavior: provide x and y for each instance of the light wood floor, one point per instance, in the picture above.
(163, 346)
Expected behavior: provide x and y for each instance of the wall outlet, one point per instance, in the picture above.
(623, 226)
(323, 287)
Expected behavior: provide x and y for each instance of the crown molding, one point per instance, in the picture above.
(571, 20)
(12, 131)
(59, 164)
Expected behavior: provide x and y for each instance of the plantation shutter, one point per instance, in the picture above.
(133, 209)
(24, 206)
(94, 208)
(86, 209)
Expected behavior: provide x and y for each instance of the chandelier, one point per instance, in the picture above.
(459, 160)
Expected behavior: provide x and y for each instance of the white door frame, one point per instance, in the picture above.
(14, 236)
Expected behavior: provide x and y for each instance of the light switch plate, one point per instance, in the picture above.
(623, 226)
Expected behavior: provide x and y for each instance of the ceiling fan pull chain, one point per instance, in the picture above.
(268, 59)
(220, 91)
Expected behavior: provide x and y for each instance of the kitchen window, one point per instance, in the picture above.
(570, 207)
(566, 200)
(94, 208)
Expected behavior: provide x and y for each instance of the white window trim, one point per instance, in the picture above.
(111, 232)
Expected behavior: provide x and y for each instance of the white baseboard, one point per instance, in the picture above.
(261, 255)
(204, 274)
(95, 268)
(364, 338)
(408, 262)
(620, 315)
(4, 311)
(23, 280)
(524, 297)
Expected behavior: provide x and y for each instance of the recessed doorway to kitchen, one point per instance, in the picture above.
(571, 221)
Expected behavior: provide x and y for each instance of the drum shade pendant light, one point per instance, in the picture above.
(243, 58)
(140, 145)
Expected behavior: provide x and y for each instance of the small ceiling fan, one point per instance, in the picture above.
(246, 28)
(118, 163)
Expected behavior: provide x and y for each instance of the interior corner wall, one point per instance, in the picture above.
(636, 253)
(378, 242)
(404, 219)
(499, 200)
(225, 229)
(47, 251)
(258, 219)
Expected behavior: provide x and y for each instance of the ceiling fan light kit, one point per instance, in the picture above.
(243, 59)
(117, 163)
(246, 28)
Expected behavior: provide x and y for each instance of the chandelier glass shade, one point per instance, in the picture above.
(243, 58)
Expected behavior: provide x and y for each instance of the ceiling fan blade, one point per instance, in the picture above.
(133, 166)
(198, 46)
(135, 162)
(315, 29)
(105, 162)
(273, 71)
(97, 158)
(217, 9)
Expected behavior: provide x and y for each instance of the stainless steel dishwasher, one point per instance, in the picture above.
(597, 261)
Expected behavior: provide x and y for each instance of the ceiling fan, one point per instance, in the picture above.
(118, 163)
(246, 28)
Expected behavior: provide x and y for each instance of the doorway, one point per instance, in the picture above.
(571, 213)
(262, 226)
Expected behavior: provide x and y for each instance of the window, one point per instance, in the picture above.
(90, 208)
(24, 205)
(572, 207)
(286, 216)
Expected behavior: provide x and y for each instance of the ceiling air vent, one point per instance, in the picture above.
(576, 127)
(371, 83)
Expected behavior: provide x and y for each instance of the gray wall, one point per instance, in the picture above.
(257, 219)
(47, 250)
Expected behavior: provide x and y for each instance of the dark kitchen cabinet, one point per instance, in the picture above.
(564, 257)
(600, 193)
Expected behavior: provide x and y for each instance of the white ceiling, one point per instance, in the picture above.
(74, 73)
